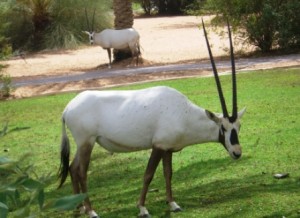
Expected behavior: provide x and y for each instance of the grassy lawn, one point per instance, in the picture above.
(206, 181)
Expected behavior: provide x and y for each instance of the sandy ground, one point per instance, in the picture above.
(164, 40)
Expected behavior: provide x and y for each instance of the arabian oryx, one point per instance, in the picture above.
(158, 118)
(117, 39)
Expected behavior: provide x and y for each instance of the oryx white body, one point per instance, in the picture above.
(125, 121)
(158, 118)
(117, 39)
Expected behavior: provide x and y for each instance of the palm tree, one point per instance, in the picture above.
(123, 19)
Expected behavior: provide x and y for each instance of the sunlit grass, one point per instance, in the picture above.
(206, 181)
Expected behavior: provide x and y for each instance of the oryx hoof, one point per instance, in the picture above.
(174, 207)
(144, 213)
(93, 214)
(177, 210)
(144, 216)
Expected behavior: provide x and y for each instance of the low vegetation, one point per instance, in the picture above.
(206, 181)
(41, 24)
(5, 84)
(269, 25)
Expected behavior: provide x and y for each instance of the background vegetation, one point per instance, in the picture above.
(268, 24)
(40, 24)
(206, 182)
(169, 7)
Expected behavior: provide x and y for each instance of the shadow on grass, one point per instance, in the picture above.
(115, 183)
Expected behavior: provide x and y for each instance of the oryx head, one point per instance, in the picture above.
(91, 36)
(90, 31)
(229, 126)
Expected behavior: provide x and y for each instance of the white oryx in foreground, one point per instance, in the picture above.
(117, 39)
(158, 118)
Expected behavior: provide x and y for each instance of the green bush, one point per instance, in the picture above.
(41, 24)
(5, 47)
(5, 86)
(289, 25)
(169, 7)
(267, 24)
(22, 191)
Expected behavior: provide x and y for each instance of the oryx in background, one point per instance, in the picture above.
(116, 39)
(158, 118)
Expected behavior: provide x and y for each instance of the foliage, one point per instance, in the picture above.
(168, 7)
(5, 85)
(206, 182)
(268, 24)
(194, 7)
(21, 189)
(5, 47)
(288, 35)
(40, 24)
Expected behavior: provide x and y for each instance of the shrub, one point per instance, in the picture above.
(288, 25)
(41, 24)
(21, 190)
(5, 85)
(169, 7)
(268, 24)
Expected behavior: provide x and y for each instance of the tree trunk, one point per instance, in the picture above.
(123, 19)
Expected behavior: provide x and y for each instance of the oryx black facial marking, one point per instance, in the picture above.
(234, 140)
(91, 38)
(222, 138)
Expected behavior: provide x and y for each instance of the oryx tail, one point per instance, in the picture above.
(64, 155)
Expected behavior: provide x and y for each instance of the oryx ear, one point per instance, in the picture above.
(86, 32)
(212, 116)
(241, 113)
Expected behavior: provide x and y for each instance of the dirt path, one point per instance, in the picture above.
(165, 40)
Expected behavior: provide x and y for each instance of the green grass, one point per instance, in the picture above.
(206, 181)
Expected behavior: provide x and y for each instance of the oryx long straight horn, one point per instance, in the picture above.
(87, 21)
(93, 20)
(221, 96)
(234, 91)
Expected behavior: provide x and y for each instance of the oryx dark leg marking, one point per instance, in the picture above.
(153, 162)
(167, 167)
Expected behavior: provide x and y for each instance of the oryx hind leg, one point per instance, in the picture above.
(137, 54)
(78, 171)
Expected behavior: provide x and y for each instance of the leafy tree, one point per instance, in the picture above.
(264, 21)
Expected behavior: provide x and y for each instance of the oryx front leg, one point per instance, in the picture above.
(149, 173)
(167, 166)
